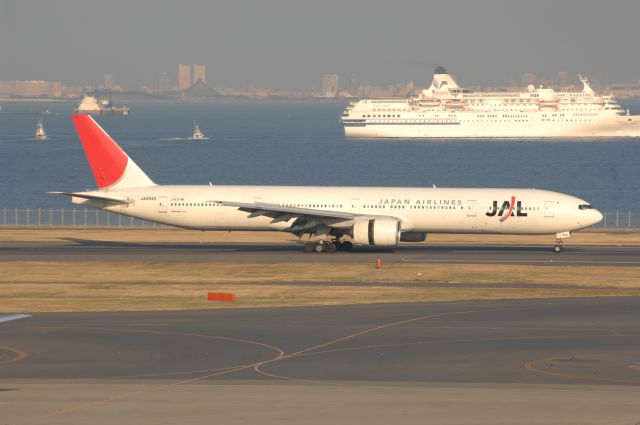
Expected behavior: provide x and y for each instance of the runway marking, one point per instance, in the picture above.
(218, 372)
(308, 351)
(453, 341)
(550, 261)
(244, 341)
(178, 372)
(545, 252)
(354, 335)
(530, 366)
(13, 317)
(19, 355)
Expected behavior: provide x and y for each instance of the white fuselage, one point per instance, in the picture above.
(418, 209)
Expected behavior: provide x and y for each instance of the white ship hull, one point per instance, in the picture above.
(475, 130)
(111, 111)
(101, 112)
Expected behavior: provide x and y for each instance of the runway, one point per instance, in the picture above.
(91, 250)
(556, 361)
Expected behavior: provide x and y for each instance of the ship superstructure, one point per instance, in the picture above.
(93, 104)
(40, 133)
(446, 110)
(197, 133)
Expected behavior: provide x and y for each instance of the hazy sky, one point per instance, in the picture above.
(290, 44)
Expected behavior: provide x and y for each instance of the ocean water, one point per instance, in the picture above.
(299, 143)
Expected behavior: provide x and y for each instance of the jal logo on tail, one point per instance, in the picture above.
(507, 206)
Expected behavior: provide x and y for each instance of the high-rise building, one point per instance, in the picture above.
(199, 73)
(164, 83)
(184, 76)
(330, 85)
(108, 81)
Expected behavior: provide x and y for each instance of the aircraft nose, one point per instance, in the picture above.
(597, 216)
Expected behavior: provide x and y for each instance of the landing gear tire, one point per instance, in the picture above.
(330, 248)
(557, 249)
(327, 246)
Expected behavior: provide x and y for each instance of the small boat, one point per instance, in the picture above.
(40, 134)
(197, 134)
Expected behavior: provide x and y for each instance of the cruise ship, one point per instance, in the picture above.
(446, 110)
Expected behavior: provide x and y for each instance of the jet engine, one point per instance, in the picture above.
(377, 231)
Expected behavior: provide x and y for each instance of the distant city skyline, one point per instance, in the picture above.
(286, 44)
(192, 84)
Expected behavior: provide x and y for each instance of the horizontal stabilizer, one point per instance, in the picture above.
(94, 197)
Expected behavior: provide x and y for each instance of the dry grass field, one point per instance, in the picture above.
(40, 286)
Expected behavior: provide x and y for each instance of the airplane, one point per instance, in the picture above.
(368, 216)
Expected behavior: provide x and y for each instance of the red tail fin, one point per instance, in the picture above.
(109, 163)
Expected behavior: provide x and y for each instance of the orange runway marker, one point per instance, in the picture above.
(379, 264)
(221, 296)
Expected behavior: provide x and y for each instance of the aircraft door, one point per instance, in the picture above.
(549, 208)
(471, 208)
(355, 205)
(162, 204)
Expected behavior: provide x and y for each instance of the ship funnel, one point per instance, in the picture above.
(442, 80)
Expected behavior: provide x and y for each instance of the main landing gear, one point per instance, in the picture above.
(328, 246)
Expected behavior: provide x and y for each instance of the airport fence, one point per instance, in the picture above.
(90, 217)
(56, 217)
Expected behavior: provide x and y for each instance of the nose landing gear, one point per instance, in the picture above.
(559, 239)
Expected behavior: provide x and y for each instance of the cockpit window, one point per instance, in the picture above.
(584, 207)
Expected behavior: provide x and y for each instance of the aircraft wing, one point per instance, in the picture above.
(277, 211)
(308, 220)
